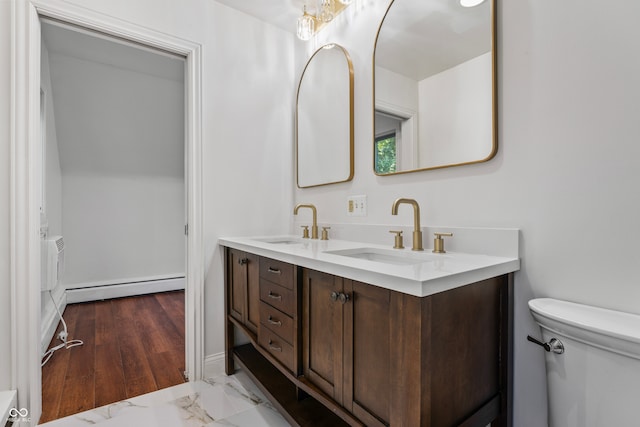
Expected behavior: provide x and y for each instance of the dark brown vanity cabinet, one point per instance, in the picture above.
(242, 287)
(347, 343)
(278, 332)
(334, 351)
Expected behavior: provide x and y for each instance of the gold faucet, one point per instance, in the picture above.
(314, 227)
(417, 233)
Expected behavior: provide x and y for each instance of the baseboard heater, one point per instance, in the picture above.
(124, 289)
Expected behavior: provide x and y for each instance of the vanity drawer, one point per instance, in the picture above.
(278, 322)
(275, 345)
(277, 296)
(277, 272)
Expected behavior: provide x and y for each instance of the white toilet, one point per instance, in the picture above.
(595, 381)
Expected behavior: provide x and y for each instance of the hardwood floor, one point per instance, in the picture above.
(132, 346)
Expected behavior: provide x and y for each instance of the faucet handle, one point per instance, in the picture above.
(438, 242)
(305, 231)
(325, 233)
(398, 244)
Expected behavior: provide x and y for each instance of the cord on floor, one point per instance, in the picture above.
(62, 336)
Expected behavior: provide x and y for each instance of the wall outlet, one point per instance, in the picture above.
(357, 206)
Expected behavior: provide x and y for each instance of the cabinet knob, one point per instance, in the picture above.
(334, 296)
(243, 261)
(343, 297)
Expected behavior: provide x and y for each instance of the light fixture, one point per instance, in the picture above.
(309, 24)
(306, 25)
(470, 3)
(326, 11)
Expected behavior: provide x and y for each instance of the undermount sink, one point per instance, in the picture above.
(279, 240)
(389, 256)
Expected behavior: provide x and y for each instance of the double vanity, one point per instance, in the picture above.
(364, 334)
(346, 333)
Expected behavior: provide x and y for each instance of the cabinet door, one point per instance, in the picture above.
(322, 332)
(244, 291)
(238, 284)
(367, 352)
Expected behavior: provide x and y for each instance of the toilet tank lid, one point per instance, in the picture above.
(610, 323)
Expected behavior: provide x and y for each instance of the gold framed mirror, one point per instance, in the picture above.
(324, 119)
(434, 74)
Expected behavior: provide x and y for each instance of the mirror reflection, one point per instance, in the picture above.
(324, 119)
(434, 86)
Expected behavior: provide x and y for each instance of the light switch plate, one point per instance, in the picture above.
(357, 206)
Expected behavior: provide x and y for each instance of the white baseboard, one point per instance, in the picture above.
(214, 365)
(119, 290)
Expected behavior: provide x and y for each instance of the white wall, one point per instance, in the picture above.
(248, 154)
(53, 175)
(5, 166)
(396, 91)
(120, 228)
(52, 188)
(566, 171)
(121, 140)
(455, 114)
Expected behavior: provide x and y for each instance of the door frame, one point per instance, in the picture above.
(25, 186)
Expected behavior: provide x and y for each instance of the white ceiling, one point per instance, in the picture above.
(421, 37)
(281, 13)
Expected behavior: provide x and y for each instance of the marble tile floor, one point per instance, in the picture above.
(221, 401)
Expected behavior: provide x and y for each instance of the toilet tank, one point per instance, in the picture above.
(596, 381)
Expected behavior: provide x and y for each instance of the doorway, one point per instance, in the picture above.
(113, 194)
(26, 173)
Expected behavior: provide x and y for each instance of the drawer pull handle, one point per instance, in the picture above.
(273, 347)
(274, 322)
(273, 270)
(274, 296)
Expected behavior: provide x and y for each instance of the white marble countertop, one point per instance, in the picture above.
(435, 273)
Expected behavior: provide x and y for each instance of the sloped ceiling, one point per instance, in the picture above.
(119, 108)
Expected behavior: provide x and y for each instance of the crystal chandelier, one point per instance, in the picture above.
(308, 24)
